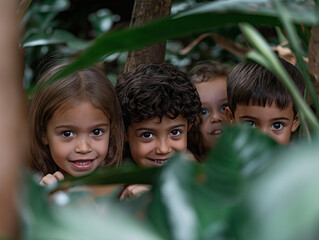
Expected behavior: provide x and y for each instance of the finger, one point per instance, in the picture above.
(139, 189)
(58, 175)
(125, 193)
(48, 179)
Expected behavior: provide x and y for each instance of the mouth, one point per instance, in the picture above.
(82, 163)
(216, 132)
(160, 162)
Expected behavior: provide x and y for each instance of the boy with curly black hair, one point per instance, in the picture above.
(256, 96)
(160, 105)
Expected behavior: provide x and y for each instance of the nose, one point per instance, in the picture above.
(264, 130)
(83, 145)
(215, 117)
(163, 146)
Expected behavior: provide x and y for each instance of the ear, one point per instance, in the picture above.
(45, 139)
(295, 123)
(229, 115)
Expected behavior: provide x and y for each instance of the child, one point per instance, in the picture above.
(256, 96)
(76, 125)
(209, 79)
(160, 105)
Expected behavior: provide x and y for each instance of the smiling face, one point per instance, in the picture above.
(153, 142)
(213, 96)
(276, 123)
(78, 138)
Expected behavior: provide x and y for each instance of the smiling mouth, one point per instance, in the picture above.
(82, 163)
(160, 162)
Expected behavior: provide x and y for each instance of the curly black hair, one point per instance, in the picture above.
(156, 90)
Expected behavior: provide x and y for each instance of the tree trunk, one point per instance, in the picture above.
(144, 11)
(12, 120)
(313, 57)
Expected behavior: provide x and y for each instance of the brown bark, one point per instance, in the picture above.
(144, 11)
(12, 120)
(313, 57)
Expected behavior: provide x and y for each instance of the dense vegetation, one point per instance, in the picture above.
(248, 188)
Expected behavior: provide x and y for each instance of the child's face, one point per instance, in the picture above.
(78, 138)
(213, 95)
(276, 123)
(153, 142)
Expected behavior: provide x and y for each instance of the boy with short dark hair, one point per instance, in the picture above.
(210, 79)
(160, 105)
(257, 96)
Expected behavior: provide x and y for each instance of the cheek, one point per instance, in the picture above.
(104, 145)
(181, 144)
(204, 126)
(284, 138)
(138, 149)
(59, 151)
(224, 118)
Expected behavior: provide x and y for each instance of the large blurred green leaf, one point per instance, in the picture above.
(193, 201)
(281, 203)
(202, 18)
(76, 215)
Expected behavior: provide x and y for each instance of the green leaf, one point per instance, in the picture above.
(75, 214)
(57, 37)
(282, 202)
(51, 6)
(130, 174)
(193, 201)
(102, 21)
(203, 18)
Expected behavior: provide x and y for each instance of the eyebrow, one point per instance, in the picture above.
(247, 117)
(152, 129)
(273, 119)
(73, 126)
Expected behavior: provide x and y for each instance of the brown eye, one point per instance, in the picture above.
(67, 133)
(97, 132)
(277, 125)
(175, 132)
(146, 135)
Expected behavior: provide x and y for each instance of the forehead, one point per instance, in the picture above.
(214, 83)
(80, 112)
(215, 88)
(157, 123)
(264, 112)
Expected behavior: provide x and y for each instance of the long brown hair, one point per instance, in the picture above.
(89, 84)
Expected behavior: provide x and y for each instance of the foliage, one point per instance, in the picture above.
(248, 188)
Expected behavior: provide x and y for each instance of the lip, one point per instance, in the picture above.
(216, 132)
(82, 164)
(159, 162)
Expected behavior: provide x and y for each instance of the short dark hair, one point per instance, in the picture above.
(156, 90)
(207, 70)
(251, 83)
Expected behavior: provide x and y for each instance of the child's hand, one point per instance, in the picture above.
(134, 190)
(52, 178)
